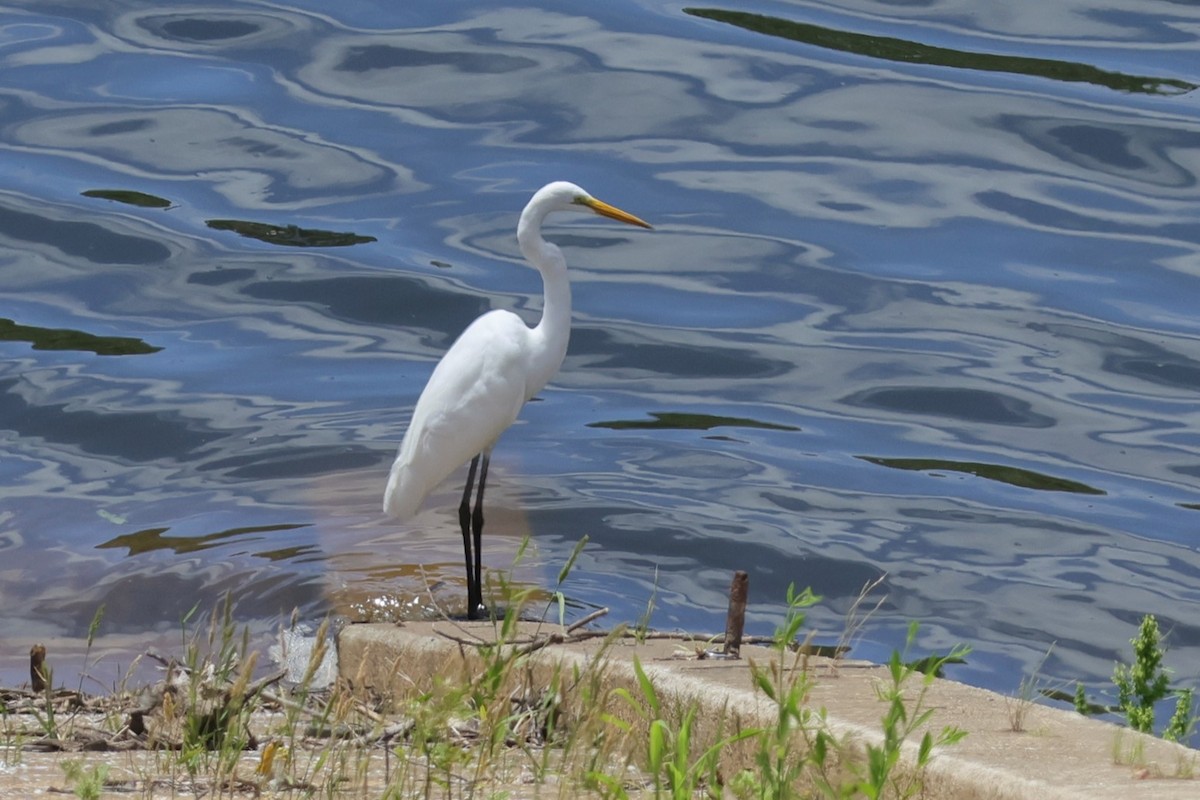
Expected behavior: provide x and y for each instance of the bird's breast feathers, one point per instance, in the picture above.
(479, 386)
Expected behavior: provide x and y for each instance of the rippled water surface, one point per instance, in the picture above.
(921, 300)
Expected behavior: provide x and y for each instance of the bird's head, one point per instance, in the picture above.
(564, 196)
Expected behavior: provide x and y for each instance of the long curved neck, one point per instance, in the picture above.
(554, 329)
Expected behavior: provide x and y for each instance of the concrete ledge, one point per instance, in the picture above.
(1059, 756)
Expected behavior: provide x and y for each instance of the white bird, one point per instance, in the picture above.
(487, 375)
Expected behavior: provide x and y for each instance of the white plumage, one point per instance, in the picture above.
(487, 375)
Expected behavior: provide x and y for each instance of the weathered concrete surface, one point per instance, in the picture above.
(1059, 756)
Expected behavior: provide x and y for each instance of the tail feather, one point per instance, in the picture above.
(404, 495)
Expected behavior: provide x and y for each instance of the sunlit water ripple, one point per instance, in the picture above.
(930, 317)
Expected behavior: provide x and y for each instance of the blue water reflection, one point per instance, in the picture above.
(940, 294)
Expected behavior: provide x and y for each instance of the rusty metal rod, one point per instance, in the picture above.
(37, 672)
(735, 619)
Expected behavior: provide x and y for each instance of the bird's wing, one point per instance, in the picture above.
(474, 393)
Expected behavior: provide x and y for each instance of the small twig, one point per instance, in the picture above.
(541, 642)
(166, 661)
(265, 681)
(474, 641)
(590, 618)
(401, 728)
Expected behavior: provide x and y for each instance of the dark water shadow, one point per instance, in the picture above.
(288, 235)
(413, 303)
(1014, 476)
(67, 339)
(888, 48)
(128, 197)
(966, 405)
(87, 241)
(151, 539)
(130, 436)
(675, 420)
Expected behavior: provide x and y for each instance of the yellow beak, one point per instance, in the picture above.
(612, 212)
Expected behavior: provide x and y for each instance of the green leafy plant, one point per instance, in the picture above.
(1183, 721)
(901, 720)
(87, 784)
(779, 764)
(1080, 700)
(787, 635)
(674, 771)
(1144, 682)
(798, 748)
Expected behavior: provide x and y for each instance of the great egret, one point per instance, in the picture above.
(480, 385)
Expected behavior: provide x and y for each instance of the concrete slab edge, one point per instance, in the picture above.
(1063, 756)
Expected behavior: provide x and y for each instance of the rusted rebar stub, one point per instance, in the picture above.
(37, 667)
(735, 619)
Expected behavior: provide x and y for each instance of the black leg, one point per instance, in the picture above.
(477, 530)
(464, 522)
